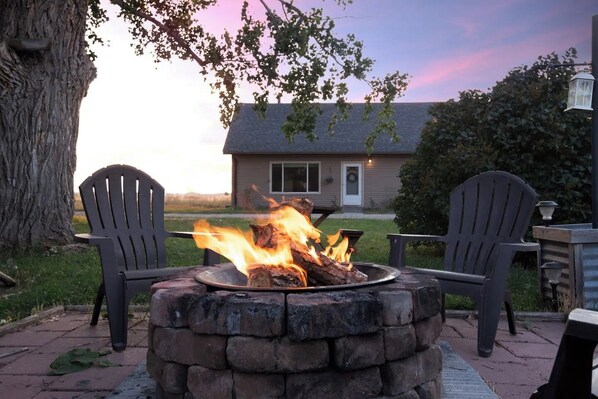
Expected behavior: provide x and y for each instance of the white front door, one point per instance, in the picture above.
(352, 178)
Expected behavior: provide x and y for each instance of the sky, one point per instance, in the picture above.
(162, 118)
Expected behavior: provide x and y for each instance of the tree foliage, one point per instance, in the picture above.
(519, 126)
(280, 50)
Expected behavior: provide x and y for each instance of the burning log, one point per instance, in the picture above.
(267, 236)
(266, 276)
(321, 270)
(328, 271)
(279, 250)
(302, 205)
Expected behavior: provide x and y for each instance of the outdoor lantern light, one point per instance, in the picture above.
(369, 159)
(546, 209)
(581, 87)
(552, 271)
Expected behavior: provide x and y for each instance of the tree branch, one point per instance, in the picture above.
(172, 33)
(298, 11)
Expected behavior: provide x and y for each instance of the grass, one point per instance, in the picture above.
(49, 277)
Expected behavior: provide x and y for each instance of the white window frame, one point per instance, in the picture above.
(307, 163)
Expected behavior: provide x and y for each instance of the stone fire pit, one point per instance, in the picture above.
(371, 342)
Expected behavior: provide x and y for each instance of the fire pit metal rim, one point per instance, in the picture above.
(226, 276)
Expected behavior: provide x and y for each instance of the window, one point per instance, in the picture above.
(295, 177)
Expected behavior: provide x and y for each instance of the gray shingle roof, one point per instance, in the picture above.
(248, 134)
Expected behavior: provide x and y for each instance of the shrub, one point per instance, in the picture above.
(518, 127)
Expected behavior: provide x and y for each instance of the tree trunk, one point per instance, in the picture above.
(40, 95)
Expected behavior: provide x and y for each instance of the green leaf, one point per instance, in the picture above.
(79, 359)
(106, 363)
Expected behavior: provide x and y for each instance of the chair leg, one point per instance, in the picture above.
(210, 257)
(117, 312)
(510, 313)
(98, 305)
(443, 307)
(488, 316)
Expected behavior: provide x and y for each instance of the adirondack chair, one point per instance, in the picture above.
(489, 214)
(125, 212)
(575, 370)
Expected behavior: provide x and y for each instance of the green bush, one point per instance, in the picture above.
(520, 127)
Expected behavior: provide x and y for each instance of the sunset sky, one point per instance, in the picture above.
(163, 119)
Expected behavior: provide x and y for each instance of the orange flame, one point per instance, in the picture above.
(239, 247)
(340, 252)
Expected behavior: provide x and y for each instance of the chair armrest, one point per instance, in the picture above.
(506, 251)
(93, 240)
(352, 236)
(209, 257)
(187, 234)
(180, 234)
(106, 250)
(522, 246)
(82, 238)
(398, 242)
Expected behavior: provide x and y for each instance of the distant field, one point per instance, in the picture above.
(187, 203)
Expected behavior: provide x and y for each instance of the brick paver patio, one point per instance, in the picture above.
(519, 364)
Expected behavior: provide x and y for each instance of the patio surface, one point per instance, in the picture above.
(517, 367)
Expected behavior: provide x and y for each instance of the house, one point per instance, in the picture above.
(332, 171)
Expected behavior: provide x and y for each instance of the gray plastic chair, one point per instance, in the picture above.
(489, 214)
(125, 211)
(571, 376)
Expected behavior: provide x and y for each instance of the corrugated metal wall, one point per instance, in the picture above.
(559, 252)
(590, 276)
(578, 285)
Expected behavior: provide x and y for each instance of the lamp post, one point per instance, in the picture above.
(594, 126)
(577, 242)
(581, 88)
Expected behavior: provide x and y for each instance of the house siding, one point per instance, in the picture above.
(381, 181)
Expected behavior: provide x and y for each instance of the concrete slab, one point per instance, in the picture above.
(93, 379)
(459, 379)
(519, 364)
(531, 349)
(22, 386)
(138, 386)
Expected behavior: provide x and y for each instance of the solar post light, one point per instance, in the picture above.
(553, 271)
(547, 209)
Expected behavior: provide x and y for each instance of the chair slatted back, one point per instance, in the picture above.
(126, 204)
(488, 209)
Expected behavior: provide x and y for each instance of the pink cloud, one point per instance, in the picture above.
(491, 64)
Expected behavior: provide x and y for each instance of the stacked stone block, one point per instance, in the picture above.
(372, 342)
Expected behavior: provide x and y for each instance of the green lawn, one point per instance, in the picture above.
(70, 275)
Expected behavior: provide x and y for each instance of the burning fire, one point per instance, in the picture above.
(240, 247)
(341, 252)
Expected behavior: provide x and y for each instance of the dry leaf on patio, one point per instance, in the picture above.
(79, 359)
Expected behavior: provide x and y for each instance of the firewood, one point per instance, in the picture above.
(267, 276)
(304, 206)
(268, 236)
(259, 277)
(321, 270)
(325, 270)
